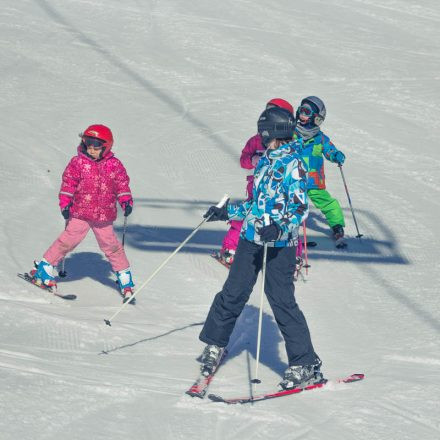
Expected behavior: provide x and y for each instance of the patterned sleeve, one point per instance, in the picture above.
(328, 148)
(123, 191)
(238, 211)
(297, 206)
(69, 183)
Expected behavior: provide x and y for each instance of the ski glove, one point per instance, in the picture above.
(214, 214)
(339, 157)
(255, 159)
(269, 233)
(65, 212)
(127, 207)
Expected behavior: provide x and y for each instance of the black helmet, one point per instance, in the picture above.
(276, 123)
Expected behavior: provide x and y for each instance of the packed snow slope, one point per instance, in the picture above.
(182, 84)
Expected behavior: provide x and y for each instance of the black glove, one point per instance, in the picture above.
(127, 207)
(66, 211)
(269, 233)
(214, 214)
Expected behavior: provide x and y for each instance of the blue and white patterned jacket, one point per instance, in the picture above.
(279, 190)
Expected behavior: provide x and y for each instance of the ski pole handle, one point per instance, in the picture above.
(266, 219)
(220, 204)
(222, 201)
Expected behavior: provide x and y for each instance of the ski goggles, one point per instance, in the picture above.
(306, 110)
(90, 142)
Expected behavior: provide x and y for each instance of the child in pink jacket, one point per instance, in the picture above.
(91, 184)
(249, 158)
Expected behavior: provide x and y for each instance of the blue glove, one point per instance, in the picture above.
(214, 214)
(269, 233)
(339, 157)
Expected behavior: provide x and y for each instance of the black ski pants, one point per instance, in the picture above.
(280, 292)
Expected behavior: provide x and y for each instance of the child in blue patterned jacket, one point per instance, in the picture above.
(272, 217)
(317, 146)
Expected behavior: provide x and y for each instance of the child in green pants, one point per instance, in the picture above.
(310, 115)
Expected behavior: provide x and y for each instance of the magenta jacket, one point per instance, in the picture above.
(253, 145)
(93, 187)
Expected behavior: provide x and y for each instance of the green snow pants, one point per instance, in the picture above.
(329, 206)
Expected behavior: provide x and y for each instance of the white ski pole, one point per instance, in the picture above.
(266, 222)
(219, 205)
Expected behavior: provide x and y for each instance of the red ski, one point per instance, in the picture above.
(200, 386)
(353, 378)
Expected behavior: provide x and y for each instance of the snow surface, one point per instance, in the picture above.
(182, 84)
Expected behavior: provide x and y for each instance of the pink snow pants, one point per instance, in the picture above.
(76, 231)
(230, 241)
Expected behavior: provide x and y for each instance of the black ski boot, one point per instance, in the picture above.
(300, 376)
(211, 358)
(338, 235)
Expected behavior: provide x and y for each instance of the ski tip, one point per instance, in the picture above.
(107, 321)
(358, 376)
(68, 297)
(215, 398)
(195, 394)
(354, 378)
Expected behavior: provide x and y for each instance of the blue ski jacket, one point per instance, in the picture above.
(313, 152)
(279, 191)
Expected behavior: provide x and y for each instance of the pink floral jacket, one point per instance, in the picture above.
(93, 187)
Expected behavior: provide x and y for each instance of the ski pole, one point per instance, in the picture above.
(260, 319)
(266, 221)
(359, 235)
(123, 238)
(307, 265)
(219, 205)
(123, 232)
(62, 273)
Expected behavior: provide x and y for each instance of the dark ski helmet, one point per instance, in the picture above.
(276, 123)
(318, 108)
